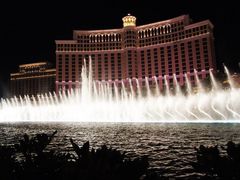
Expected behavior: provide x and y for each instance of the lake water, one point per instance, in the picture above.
(170, 147)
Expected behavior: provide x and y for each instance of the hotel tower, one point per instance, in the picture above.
(152, 52)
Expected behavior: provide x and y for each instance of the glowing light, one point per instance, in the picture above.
(129, 20)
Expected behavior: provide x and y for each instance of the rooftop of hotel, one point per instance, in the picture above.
(33, 64)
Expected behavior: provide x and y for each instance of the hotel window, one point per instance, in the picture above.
(176, 59)
(99, 69)
(162, 61)
(143, 64)
(73, 67)
(169, 60)
(205, 52)
(184, 66)
(156, 73)
(119, 66)
(60, 62)
(129, 58)
(93, 62)
(106, 66)
(190, 56)
(149, 63)
(112, 67)
(66, 68)
(198, 58)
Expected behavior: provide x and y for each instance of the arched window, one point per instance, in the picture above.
(164, 29)
(158, 31)
(99, 38)
(104, 39)
(120, 37)
(90, 38)
(107, 37)
(96, 38)
(169, 28)
(110, 37)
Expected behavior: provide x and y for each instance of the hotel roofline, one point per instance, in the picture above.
(47, 70)
(141, 27)
(33, 64)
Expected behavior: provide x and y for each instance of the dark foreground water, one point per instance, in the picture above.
(170, 147)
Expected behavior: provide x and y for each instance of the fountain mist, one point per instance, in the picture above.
(107, 102)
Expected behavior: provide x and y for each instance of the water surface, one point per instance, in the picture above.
(170, 147)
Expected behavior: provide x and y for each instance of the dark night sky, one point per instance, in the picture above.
(28, 29)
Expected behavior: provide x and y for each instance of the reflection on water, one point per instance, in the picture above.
(170, 147)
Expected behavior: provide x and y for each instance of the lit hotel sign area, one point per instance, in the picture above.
(129, 20)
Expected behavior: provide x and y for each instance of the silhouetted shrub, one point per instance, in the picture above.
(85, 164)
(215, 165)
(8, 165)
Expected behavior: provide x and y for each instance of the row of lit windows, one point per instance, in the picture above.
(179, 62)
(158, 40)
(104, 68)
(196, 31)
(34, 74)
(177, 59)
(94, 38)
(172, 37)
(90, 47)
(32, 86)
(165, 29)
(131, 41)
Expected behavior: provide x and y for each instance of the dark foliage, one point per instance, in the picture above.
(217, 166)
(37, 162)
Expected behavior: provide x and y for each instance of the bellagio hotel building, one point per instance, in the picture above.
(148, 52)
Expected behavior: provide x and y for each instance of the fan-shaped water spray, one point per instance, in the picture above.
(117, 102)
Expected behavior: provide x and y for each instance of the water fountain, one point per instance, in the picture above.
(99, 102)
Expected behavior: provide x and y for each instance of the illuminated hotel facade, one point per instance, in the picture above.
(33, 79)
(148, 52)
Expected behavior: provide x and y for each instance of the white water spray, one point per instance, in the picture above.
(105, 102)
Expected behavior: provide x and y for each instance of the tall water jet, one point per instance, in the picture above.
(86, 76)
(116, 94)
(199, 84)
(139, 91)
(213, 81)
(131, 88)
(95, 91)
(166, 85)
(189, 87)
(157, 91)
(178, 90)
(216, 103)
(109, 91)
(230, 81)
(147, 87)
(90, 79)
(124, 92)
